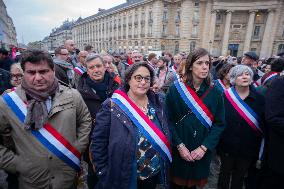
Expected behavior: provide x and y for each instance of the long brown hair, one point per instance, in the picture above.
(191, 58)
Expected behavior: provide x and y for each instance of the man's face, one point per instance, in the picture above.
(82, 57)
(96, 70)
(39, 77)
(70, 46)
(168, 57)
(136, 57)
(107, 63)
(247, 61)
(63, 54)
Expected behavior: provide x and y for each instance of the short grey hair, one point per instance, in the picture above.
(238, 71)
(93, 56)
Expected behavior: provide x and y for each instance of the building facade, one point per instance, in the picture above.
(8, 36)
(221, 26)
(58, 36)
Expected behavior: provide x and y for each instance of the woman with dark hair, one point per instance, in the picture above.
(223, 81)
(196, 112)
(130, 145)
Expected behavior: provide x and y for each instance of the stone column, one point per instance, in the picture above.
(249, 30)
(212, 30)
(186, 24)
(266, 40)
(206, 7)
(157, 10)
(226, 32)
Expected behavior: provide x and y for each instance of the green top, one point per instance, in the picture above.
(190, 131)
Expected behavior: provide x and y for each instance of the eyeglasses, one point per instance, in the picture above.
(64, 54)
(139, 78)
(16, 76)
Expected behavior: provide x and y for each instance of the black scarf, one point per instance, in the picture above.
(101, 88)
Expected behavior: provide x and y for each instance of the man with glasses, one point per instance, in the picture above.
(136, 56)
(63, 69)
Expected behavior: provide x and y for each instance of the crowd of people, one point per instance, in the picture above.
(83, 119)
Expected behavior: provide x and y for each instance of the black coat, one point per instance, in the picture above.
(92, 100)
(4, 80)
(61, 74)
(274, 113)
(238, 138)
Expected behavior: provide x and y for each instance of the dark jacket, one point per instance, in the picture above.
(114, 144)
(4, 80)
(189, 130)
(92, 100)
(61, 74)
(274, 112)
(239, 139)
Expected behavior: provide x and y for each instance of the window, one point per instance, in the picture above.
(165, 16)
(194, 31)
(164, 29)
(196, 3)
(178, 16)
(196, 15)
(256, 31)
(192, 46)
(217, 31)
(177, 30)
(280, 48)
(150, 30)
(176, 47)
(283, 33)
(218, 17)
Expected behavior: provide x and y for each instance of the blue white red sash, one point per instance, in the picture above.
(255, 84)
(79, 70)
(243, 109)
(47, 136)
(269, 77)
(221, 85)
(177, 77)
(158, 140)
(195, 104)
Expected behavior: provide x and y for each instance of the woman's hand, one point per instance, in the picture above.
(198, 153)
(184, 153)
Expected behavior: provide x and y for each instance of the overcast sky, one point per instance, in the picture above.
(34, 19)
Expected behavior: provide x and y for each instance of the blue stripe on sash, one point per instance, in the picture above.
(245, 104)
(193, 109)
(54, 150)
(14, 107)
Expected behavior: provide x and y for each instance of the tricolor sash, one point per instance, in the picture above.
(49, 137)
(195, 104)
(177, 77)
(156, 137)
(269, 77)
(79, 70)
(220, 85)
(255, 84)
(243, 109)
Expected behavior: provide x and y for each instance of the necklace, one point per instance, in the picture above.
(143, 108)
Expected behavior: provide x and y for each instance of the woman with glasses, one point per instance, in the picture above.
(16, 74)
(130, 145)
(196, 113)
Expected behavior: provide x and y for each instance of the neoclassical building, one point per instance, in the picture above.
(8, 36)
(221, 26)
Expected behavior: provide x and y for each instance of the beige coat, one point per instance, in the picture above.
(38, 168)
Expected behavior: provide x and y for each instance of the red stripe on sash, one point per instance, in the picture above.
(62, 140)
